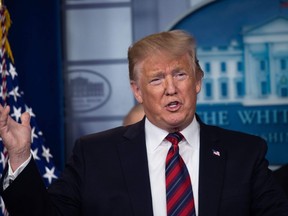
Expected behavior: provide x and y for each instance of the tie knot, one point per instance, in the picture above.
(174, 138)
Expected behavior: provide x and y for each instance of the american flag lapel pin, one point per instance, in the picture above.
(215, 152)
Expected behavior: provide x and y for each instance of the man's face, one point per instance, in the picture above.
(168, 89)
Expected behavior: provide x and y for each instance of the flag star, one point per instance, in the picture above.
(46, 153)
(16, 113)
(1, 92)
(12, 71)
(6, 72)
(29, 110)
(3, 160)
(15, 93)
(33, 134)
(50, 174)
(34, 154)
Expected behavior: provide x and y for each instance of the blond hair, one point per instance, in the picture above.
(175, 43)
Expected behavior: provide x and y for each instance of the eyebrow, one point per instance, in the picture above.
(157, 73)
(161, 73)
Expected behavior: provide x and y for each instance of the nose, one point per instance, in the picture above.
(170, 87)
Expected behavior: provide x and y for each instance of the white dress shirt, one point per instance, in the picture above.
(11, 176)
(157, 149)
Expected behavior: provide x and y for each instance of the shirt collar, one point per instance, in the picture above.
(154, 135)
(192, 133)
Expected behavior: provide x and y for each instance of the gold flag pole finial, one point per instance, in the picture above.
(5, 25)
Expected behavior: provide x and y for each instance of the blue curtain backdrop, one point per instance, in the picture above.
(35, 40)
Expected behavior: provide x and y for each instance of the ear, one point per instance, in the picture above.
(198, 86)
(136, 91)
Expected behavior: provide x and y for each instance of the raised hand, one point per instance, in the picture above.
(16, 136)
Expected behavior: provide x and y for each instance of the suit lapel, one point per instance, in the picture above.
(134, 162)
(133, 157)
(211, 171)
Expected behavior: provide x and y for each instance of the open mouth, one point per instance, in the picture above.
(173, 104)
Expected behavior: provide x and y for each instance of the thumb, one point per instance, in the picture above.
(25, 119)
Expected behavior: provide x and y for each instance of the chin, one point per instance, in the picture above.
(179, 123)
(175, 124)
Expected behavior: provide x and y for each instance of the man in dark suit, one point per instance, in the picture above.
(124, 171)
(281, 176)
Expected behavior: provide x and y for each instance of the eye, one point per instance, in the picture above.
(155, 81)
(181, 76)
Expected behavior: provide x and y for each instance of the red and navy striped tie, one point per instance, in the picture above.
(179, 195)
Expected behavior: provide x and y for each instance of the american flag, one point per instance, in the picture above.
(11, 94)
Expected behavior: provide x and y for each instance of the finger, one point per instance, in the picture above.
(25, 119)
(6, 110)
(4, 113)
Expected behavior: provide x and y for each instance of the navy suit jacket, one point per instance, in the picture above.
(108, 175)
(281, 176)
